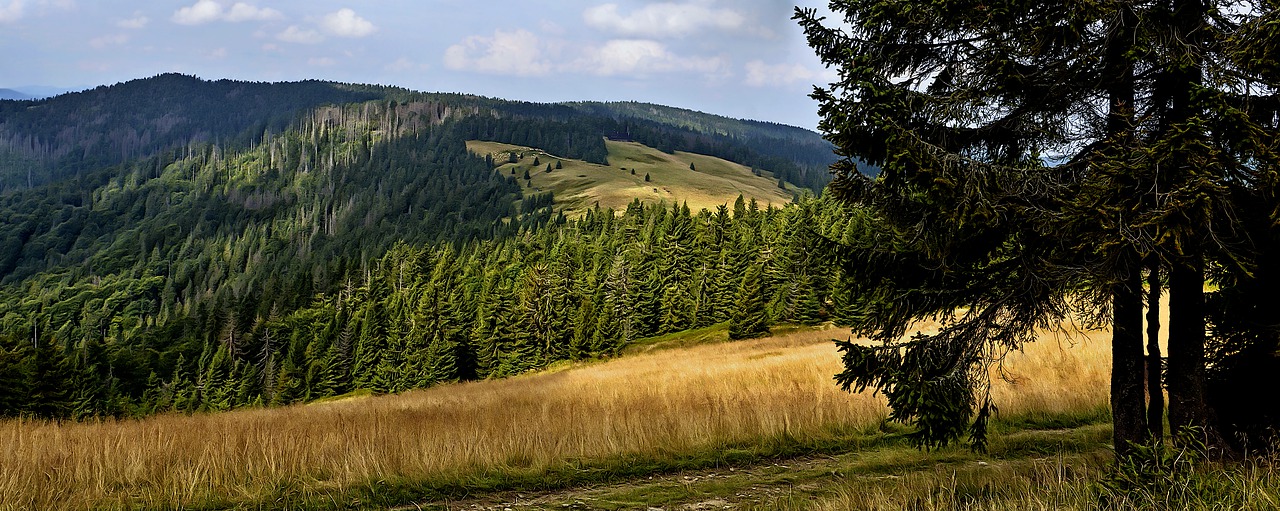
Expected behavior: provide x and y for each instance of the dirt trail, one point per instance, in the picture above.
(793, 482)
(696, 490)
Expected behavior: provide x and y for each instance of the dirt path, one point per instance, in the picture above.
(788, 483)
(699, 490)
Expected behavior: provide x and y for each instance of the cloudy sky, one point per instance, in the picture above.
(741, 58)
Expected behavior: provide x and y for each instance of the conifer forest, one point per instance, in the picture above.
(349, 242)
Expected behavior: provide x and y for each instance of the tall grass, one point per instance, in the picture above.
(661, 403)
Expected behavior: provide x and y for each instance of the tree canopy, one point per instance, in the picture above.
(1035, 158)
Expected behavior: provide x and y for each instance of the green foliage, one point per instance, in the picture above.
(344, 239)
(1002, 207)
(749, 318)
(425, 314)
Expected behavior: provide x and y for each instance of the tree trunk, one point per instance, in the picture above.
(1155, 389)
(1188, 408)
(1128, 385)
(1189, 414)
(1127, 381)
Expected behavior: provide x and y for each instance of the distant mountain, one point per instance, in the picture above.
(51, 139)
(45, 91)
(13, 94)
(634, 172)
(80, 131)
(148, 225)
(698, 121)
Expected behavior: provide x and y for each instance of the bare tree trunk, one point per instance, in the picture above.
(1155, 366)
(1189, 414)
(1128, 408)
(1128, 403)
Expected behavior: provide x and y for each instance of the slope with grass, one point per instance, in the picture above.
(689, 409)
(580, 185)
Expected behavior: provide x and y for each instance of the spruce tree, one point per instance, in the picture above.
(965, 204)
(1019, 193)
(750, 316)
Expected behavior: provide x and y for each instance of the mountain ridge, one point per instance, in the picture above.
(14, 95)
(110, 124)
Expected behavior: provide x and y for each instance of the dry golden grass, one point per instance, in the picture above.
(668, 401)
(580, 185)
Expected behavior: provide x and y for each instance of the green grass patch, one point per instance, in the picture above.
(580, 185)
(707, 335)
(804, 467)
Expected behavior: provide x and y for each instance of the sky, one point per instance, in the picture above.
(739, 58)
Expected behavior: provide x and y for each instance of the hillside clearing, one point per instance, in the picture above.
(580, 185)
(697, 406)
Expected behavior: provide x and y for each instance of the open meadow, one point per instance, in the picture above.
(580, 185)
(661, 410)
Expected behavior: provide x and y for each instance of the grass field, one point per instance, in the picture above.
(580, 185)
(689, 406)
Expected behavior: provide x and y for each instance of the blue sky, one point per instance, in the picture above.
(741, 58)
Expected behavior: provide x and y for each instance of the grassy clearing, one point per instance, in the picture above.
(580, 185)
(683, 408)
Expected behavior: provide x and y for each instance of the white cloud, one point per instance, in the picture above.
(640, 57)
(137, 22)
(205, 11)
(321, 61)
(664, 20)
(345, 23)
(218, 53)
(109, 40)
(14, 10)
(241, 11)
(11, 11)
(293, 34)
(510, 53)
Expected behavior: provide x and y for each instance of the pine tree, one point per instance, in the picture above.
(750, 317)
(13, 382)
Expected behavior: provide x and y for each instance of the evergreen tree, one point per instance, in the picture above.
(13, 382)
(971, 214)
(750, 317)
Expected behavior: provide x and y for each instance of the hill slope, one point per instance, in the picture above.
(711, 409)
(580, 185)
(81, 131)
(13, 94)
(159, 231)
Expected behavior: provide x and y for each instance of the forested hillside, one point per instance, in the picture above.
(268, 243)
(83, 131)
